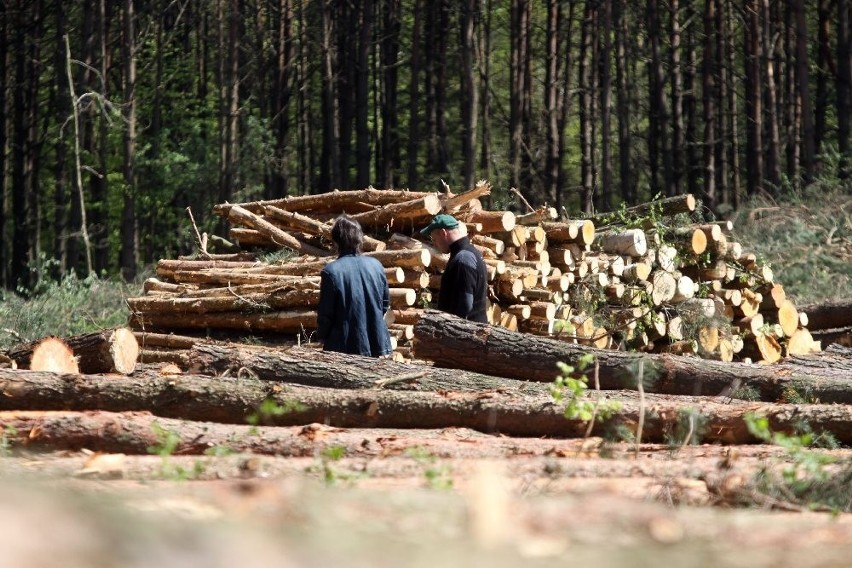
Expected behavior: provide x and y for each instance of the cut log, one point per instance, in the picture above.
(167, 268)
(667, 207)
(664, 287)
(694, 241)
(495, 245)
(579, 232)
(452, 203)
(493, 221)
(452, 342)
(405, 258)
(334, 202)
(407, 316)
(278, 299)
(413, 279)
(240, 216)
(829, 315)
(630, 242)
(50, 354)
(296, 221)
(168, 340)
(402, 298)
(108, 351)
(773, 296)
(539, 215)
(389, 215)
(284, 321)
(801, 342)
(132, 432)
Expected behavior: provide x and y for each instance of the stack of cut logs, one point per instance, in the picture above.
(649, 278)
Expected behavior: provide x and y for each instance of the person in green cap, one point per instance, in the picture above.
(464, 284)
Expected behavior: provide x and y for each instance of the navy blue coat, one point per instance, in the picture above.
(354, 297)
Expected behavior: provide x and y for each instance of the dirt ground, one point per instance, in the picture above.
(450, 497)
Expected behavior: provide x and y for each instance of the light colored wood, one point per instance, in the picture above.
(405, 258)
(801, 342)
(664, 287)
(636, 271)
(752, 324)
(334, 201)
(389, 214)
(521, 311)
(684, 289)
(453, 203)
(691, 239)
(403, 297)
(494, 221)
(296, 221)
(581, 231)
(54, 355)
(394, 275)
(495, 245)
(406, 316)
(539, 215)
(542, 310)
(240, 216)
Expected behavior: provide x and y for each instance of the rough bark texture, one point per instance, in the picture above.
(106, 351)
(453, 342)
(234, 400)
(829, 315)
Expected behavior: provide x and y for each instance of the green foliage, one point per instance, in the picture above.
(438, 476)
(70, 306)
(168, 442)
(573, 391)
(269, 409)
(330, 474)
(5, 444)
(806, 479)
(688, 429)
(805, 231)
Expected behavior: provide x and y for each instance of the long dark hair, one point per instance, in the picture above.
(347, 235)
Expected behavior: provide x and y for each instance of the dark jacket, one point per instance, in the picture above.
(354, 297)
(464, 284)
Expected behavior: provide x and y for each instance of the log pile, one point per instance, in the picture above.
(651, 278)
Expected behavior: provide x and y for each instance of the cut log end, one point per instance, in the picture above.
(124, 350)
(54, 355)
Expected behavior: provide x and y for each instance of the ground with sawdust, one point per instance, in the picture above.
(437, 498)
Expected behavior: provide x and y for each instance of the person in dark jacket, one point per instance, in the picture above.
(464, 284)
(354, 297)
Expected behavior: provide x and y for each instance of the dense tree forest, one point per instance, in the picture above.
(118, 115)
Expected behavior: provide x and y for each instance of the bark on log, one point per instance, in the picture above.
(240, 216)
(283, 321)
(232, 401)
(829, 315)
(279, 299)
(305, 224)
(460, 344)
(107, 351)
(167, 268)
(390, 214)
(331, 202)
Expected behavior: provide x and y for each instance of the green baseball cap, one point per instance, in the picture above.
(440, 221)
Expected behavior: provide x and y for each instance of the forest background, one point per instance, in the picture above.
(119, 115)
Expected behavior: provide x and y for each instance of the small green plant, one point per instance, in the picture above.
(328, 456)
(270, 409)
(806, 479)
(437, 475)
(573, 391)
(218, 451)
(5, 444)
(168, 441)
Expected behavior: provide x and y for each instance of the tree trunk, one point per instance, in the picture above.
(754, 100)
(389, 155)
(829, 315)
(709, 71)
(452, 342)
(177, 400)
(804, 91)
(129, 235)
(843, 88)
(676, 73)
(468, 91)
(362, 93)
(604, 90)
(587, 180)
(5, 280)
(773, 138)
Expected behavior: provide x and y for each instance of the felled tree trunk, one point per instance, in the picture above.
(316, 368)
(234, 400)
(453, 342)
(46, 354)
(829, 315)
(108, 351)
